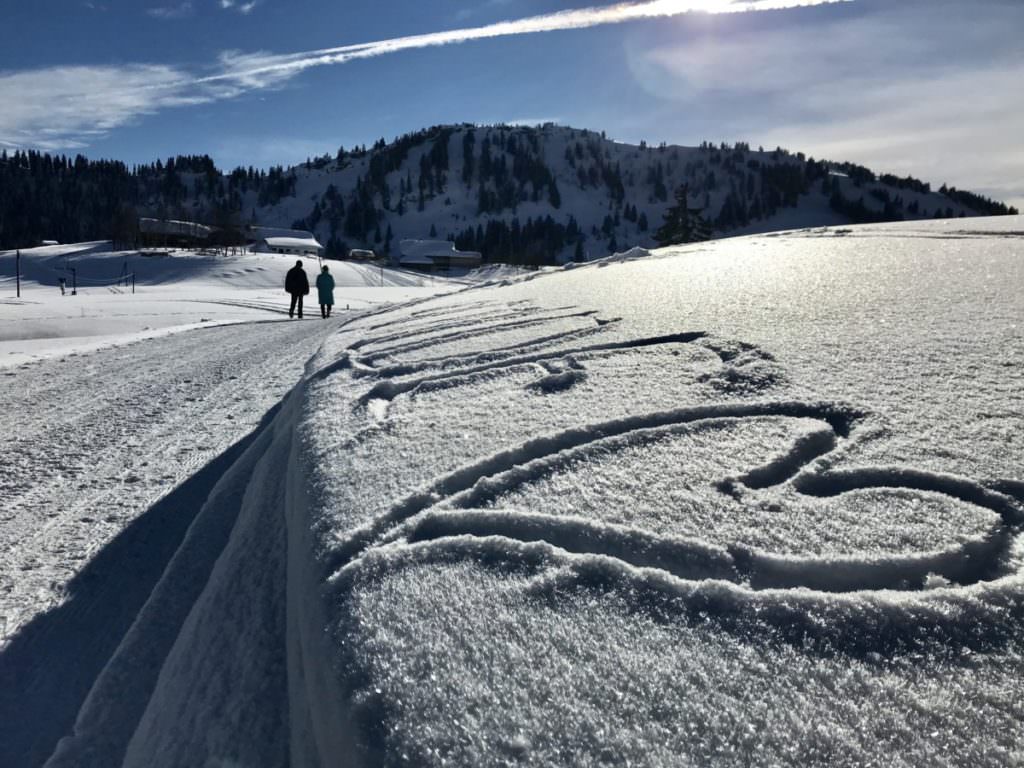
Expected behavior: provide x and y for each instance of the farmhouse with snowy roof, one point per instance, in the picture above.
(436, 254)
(292, 246)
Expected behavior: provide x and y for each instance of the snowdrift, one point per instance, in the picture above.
(755, 501)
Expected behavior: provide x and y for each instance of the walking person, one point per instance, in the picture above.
(297, 284)
(325, 291)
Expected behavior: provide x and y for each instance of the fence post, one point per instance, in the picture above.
(17, 269)
(133, 283)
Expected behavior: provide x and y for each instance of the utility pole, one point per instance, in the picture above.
(17, 269)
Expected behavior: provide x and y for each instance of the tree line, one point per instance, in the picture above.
(499, 170)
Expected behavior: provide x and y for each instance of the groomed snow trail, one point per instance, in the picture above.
(108, 458)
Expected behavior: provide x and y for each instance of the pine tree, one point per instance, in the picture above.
(554, 196)
(683, 224)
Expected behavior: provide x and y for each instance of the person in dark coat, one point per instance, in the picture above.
(297, 284)
(325, 291)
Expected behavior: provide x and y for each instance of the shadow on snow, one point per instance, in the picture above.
(51, 664)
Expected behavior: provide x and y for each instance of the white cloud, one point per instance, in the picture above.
(288, 65)
(64, 107)
(962, 129)
(67, 106)
(930, 95)
(180, 11)
(243, 8)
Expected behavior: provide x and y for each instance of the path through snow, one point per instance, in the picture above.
(108, 457)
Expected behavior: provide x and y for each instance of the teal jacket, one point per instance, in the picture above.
(325, 288)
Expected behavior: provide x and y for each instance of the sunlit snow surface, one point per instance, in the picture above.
(177, 290)
(750, 502)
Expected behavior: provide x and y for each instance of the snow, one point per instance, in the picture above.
(174, 291)
(121, 412)
(293, 242)
(756, 500)
(733, 502)
(455, 206)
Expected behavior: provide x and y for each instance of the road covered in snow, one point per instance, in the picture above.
(756, 501)
(106, 456)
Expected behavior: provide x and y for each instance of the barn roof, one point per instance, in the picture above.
(292, 242)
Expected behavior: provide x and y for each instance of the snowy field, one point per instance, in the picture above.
(174, 291)
(756, 501)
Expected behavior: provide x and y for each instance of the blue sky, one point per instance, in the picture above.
(925, 87)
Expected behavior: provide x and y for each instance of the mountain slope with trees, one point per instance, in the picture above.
(529, 195)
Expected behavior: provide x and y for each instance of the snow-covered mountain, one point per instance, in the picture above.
(518, 194)
(537, 193)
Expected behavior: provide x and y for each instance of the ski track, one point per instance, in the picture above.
(385, 351)
(191, 396)
(101, 438)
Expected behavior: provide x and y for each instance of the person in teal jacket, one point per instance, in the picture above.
(325, 289)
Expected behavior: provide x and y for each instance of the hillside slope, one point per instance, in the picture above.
(519, 194)
(530, 194)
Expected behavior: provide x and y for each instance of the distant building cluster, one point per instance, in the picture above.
(161, 233)
(289, 242)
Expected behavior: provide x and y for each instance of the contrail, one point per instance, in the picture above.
(255, 68)
(64, 106)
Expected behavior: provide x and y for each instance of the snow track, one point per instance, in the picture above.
(113, 455)
(775, 531)
(744, 371)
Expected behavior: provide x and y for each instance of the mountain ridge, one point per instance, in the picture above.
(521, 194)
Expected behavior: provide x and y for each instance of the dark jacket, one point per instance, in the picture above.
(296, 282)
